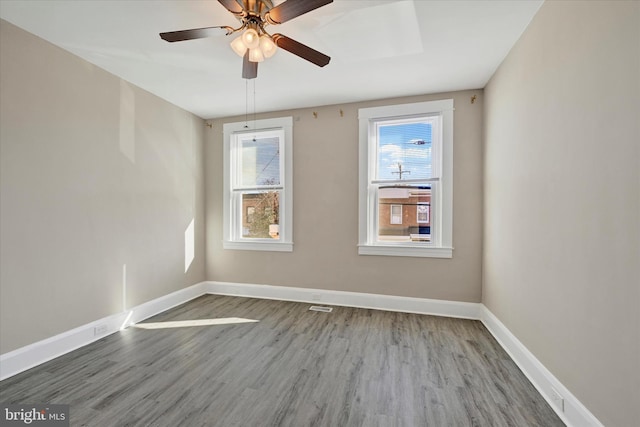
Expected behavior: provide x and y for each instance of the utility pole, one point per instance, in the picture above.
(400, 171)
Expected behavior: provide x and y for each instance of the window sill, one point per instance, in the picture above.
(259, 246)
(406, 251)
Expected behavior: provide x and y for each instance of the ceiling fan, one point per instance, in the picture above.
(255, 43)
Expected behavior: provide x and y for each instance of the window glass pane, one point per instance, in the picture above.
(261, 219)
(404, 150)
(404, 213)
(260, 157)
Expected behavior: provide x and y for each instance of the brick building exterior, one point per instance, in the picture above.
(404, 213)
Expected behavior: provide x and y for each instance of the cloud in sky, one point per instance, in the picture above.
(415, 159)
(396, 152)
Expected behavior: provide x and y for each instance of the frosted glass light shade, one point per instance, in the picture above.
(251, 38)
(267, 46)
(255, 55)
(238, 46)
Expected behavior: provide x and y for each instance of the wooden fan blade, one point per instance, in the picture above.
(196, 33)
(249, 69)
(303, 51)
(293, 8)
(232, 6)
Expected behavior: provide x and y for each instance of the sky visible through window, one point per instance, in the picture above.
(405, 144)
(260, 161)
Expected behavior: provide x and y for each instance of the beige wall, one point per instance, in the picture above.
(325, 223)
(562, 189)
(95, 173)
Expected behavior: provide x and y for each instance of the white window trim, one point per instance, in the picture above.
(285, 242)
(441, 208)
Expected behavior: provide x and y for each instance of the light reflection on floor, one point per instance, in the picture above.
(190, 323)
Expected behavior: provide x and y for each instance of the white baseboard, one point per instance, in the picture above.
(465, 310)
(32, 355)
(164, 303)
(575, 414)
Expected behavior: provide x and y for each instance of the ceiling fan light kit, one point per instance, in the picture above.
(255, 43)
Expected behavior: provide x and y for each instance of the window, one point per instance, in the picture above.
(257, 185)
(422, 213)
(396, 214)
(406, 193)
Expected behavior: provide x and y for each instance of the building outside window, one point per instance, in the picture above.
(258, 188)
(406, 158)
(406, 223)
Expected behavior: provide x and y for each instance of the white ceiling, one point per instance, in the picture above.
(379, 49)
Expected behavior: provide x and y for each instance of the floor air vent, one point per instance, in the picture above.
(319, 308)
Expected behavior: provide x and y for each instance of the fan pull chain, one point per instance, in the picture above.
(254, 106)
(246, 104)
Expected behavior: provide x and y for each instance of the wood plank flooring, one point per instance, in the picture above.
(295, 367)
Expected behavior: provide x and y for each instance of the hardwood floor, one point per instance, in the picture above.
(295, 367)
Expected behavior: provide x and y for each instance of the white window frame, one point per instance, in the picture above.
(441, 208)
(233, 213)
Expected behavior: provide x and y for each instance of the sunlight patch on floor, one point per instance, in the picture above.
(190, 323)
